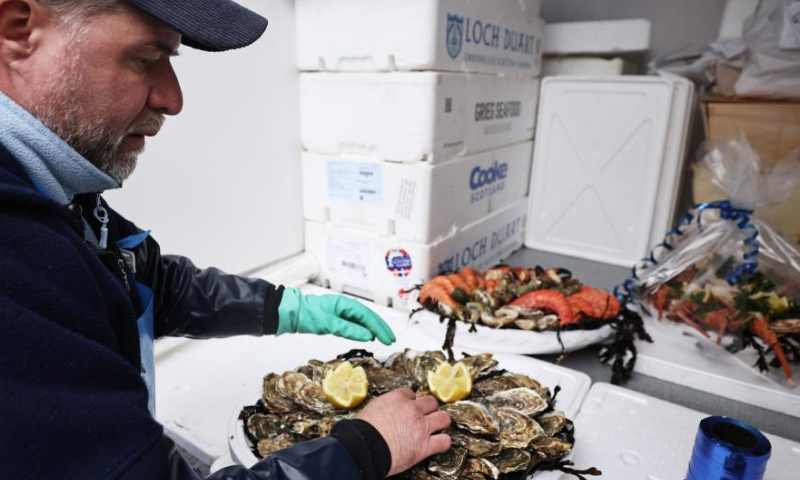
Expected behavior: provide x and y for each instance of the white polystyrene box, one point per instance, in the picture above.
(599, 37)
(382, 269)
(478, 36)
(599, 153)
(586, 66)
(411, 117)
(413, 201)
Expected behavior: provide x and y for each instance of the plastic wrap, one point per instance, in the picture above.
(727, 274)
(772, 68)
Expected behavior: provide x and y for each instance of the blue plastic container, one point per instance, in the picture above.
(727, 449)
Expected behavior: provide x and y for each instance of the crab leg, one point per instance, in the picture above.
(761, 328)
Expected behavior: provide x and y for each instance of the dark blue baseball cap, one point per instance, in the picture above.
(210, 25)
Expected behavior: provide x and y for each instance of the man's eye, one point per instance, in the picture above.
(145, 62)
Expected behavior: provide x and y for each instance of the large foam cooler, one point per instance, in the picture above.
(485, 36)
(411, 117)
(417, 202)
(381, 268)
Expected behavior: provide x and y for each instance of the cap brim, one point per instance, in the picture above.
(210, 25)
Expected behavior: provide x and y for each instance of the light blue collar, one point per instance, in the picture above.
(55, 168)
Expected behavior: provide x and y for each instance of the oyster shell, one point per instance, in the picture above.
(500, 383)
(273, 444)
(425, 362)
(511, 460)
(449, 463)
(274, 401)
(264, 426)
(516, 429)
(479, 469)
(552, 422)
(478, 364)
(552, 448)
(382, 380)
(475, 446)
(524, 400)
(300, 389)
(473, 417)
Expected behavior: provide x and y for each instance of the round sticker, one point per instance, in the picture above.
(398, 261)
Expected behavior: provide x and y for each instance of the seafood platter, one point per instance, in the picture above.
(505, 425)
(528, 311)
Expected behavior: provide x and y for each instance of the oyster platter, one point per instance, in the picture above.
(505, 425)
(517, 309)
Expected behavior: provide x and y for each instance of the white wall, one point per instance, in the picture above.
(221, 182)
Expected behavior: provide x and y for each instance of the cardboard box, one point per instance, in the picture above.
(417, 202)
(773, 127)
(384, 269)
(412, 117)
(774, 130)
(497, 36)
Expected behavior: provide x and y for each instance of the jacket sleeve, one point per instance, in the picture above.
(208, 303)
(354, 451)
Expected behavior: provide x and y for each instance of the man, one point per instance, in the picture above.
(83, 291)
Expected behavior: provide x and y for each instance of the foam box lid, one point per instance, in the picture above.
(498, 36)
(416, 202)
(411, 117)
(598, 160)
(380, 268)
(629, 435)
(610, 37)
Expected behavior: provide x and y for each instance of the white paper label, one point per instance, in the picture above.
(405, 199)
(347, 258)
(355, 182)
(790, 33)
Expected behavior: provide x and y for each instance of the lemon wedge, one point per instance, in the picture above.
(345, 386)
(450, 383)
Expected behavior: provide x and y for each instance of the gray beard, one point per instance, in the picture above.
(62, 111)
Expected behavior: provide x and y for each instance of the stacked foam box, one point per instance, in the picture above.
(417, 121)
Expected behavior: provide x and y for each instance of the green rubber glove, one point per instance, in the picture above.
(330, 314)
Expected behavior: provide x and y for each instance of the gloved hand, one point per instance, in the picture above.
(334, 314)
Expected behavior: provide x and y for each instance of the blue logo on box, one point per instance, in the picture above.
(455, 35)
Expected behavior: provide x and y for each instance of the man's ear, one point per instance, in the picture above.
(18, 22)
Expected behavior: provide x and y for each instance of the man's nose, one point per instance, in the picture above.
(165, 94)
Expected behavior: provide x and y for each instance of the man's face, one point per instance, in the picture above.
(105, 86)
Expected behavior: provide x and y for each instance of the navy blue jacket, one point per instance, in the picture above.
(72, 402)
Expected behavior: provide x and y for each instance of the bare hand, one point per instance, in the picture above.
(409, 425)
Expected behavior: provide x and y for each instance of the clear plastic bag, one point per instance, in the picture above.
(727, 274)
(772, 69)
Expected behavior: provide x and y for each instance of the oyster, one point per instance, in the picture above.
(300, 389)
(424, 363)
(475, 446)
(511, 460)
(273, 400)
(516, 429)
(479, 469)
(478, 364)
(382, 380)
(500, 383)
(552, 422)
(273, 444)
(524, 400)
(449, 463)
(551, 447)
(263, 426)
(473, 417)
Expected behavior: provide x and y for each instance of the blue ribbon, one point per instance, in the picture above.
(726, 212)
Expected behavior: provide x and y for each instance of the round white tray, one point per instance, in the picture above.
(511, 340)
